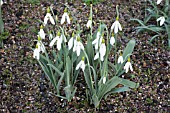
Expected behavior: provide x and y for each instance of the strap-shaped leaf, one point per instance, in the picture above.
(108, 86)
(56, 69)
(129, 83)
(117, 90)
(129, 49)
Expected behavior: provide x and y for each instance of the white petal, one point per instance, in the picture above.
(83, 65)
(112, 41)
(1, 2)
(96, 56)
(120, 60)
(113, 25)
(53, 41)
(158, 1)
(70, 43)
(79, 64)
(42, 34)
(59, 44)
(102, 51)
(68, 19)
(88, 25)
(78, 49)
(127, 66)
(116, 28)
(63, 19)
(131, 67)
(75, 44)
(162, 21)
(119, 25)
(104, 80)
(81, 46)
(36, 54)
(52, 20)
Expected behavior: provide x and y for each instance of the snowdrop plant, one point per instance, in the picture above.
(161, 25)
(64, 64)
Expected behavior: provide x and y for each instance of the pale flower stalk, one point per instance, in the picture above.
(161, 19)
(81, 65)
(128, 66)
(116, 26)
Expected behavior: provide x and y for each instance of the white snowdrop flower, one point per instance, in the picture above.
(48, 17)
(81, 65)
(40, 45)
(102, 50)
(120, 59)
(78, 46)
(104, 80)
(89, 23)
(112, 40)
(158, 2)
(116, 26)
(128, 65)
(71, 41)
(98, 40)
(41, 32)
(62, 37)
(36, 53)
(65, 17)
(57, 38)
(161, 19)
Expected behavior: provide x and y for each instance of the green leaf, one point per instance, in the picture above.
(129, 83)
(168, 31)
(129, 49)
(117, 90)
(139, 21)
(153, 38)
(95, 100)
(68, 69)
(56, 69)
(108, 86)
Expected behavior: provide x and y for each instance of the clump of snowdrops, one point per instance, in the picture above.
(69, 57)
(158, 13)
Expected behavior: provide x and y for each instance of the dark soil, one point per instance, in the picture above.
(24, 87)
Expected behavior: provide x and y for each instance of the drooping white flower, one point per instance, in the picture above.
(128, 66)
(78, 46)
(81, 64)
(71, 41)
(41, 32)
(158, 2)
(98, 40)
(58, 39)
(102, 50)
(40, 45)
(112, 40)
(120, 59)
(48, 17)
(116, 26)
(36, 53)
(161, 19)
(65, 17)
(89, 23)
(104, 80)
